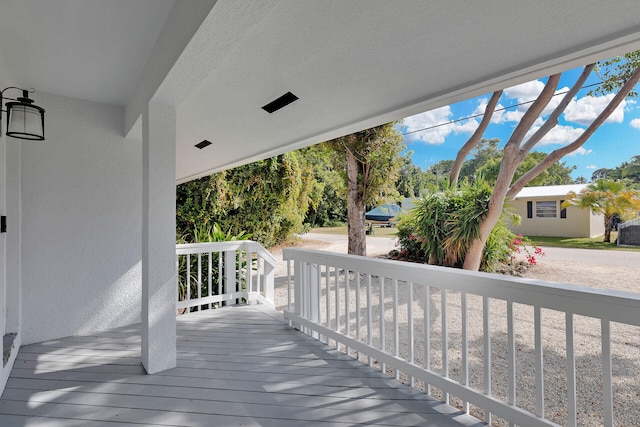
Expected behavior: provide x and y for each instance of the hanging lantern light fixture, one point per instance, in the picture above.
(25, 120)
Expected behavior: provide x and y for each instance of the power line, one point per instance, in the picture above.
(482, 114)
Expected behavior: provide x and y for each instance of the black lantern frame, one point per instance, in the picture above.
(25, 120)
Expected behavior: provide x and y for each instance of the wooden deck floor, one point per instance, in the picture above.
(236, 366)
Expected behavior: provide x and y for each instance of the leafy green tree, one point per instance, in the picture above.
(486, 152)
(411, 180)
(608, 198)
(370, 162)
(267, 199)
(557, 173)
(330, 208)
(631, 171)
(621, 74)
(437, 174)
(580, 180)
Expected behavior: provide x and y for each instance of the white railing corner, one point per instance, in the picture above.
(213, 274)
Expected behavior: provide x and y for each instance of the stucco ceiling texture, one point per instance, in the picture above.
(88, 49)
(353, 64)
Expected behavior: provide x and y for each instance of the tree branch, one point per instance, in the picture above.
(556, 155)
(552, 121)
(530, 116)
(472, 142)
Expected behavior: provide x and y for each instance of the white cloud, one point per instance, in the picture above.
(591, 167)
(525, 91)
(560, 134)
(525, 94)
(635, 123)
(584, 110)
(581, 151)
(436, 135)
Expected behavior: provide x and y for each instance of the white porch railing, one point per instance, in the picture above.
(480, 341)
(212, 274)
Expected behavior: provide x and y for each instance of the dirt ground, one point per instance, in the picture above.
(607, 276)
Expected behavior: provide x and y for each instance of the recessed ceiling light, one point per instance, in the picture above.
(279, 103)
(203, 144)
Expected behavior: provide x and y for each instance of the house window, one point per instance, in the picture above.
(563, 211)
(529, 209)
(546, 209)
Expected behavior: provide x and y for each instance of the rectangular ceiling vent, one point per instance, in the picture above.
(279, 103)
(203, 144)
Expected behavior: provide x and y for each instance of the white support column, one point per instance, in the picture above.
(159, 275)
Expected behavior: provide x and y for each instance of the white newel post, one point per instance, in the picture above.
(159, 274)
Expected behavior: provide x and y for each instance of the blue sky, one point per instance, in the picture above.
(614, 142)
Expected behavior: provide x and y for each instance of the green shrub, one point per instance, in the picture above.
(442, 225)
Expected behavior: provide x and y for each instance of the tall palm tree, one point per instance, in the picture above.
(608, 198)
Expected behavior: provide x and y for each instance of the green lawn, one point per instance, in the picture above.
(560, 242)
(377, 231)
(582, 243)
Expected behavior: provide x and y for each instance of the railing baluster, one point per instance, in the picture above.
(318, 284)
(511, 354)
(369, 320)
(410, 329)
(607, 385)
(347, 306)
(220, 275)
(444, 338)
(199, 279)
(289, 287)
(396, 326)
(328, 296)
(427, 331)
(188, 277)
(337, 288)
(358, 311)
(209, 274)
(382, 332)
(258, 275)
(327, 278)
(486, 348)
(465, 346)
(537, 318)
(572, 409)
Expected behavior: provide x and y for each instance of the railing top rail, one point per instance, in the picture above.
(612, 305)
(260, 250)
(206, 247)
(195, 248)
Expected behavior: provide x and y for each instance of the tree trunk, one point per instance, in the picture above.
(608, 226)
(473, 257)
(355, 209)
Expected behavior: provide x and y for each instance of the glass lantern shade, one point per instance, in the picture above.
(24, 120)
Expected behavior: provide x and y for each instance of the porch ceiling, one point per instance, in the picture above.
(353, 64)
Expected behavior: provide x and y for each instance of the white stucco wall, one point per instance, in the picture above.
(81, 222)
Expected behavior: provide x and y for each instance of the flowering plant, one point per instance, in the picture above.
(522, 245)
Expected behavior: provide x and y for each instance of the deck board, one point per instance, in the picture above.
(236, 366)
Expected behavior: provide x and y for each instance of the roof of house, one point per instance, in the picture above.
(549, 191)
